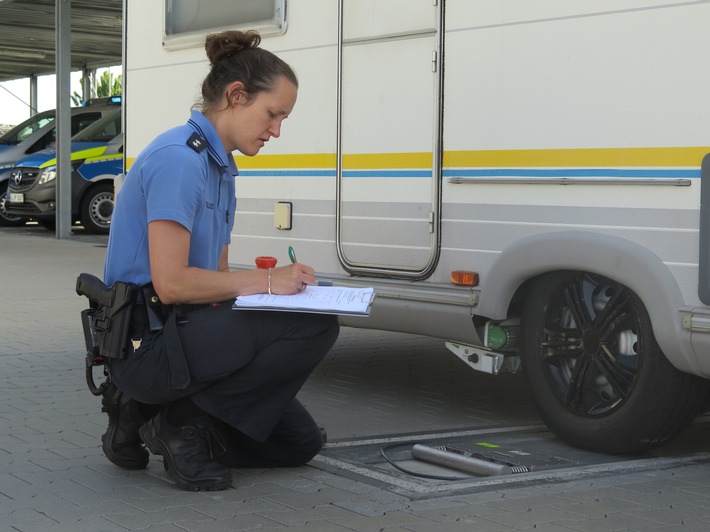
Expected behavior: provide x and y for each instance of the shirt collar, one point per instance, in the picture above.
(204, 128)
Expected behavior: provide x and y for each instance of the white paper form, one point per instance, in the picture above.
(319, 299)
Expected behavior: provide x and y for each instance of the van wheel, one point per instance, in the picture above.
(7, 219)
(599, 378)
(97, 209)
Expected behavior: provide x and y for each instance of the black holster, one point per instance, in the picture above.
(107, 323)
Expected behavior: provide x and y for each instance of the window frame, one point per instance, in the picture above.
(189, 39)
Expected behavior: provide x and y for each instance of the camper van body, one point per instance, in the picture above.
(547, 155)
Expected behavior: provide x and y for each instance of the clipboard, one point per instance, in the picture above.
(338, 300)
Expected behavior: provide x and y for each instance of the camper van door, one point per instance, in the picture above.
(389, 133)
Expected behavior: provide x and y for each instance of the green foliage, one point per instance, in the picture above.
(106, 85)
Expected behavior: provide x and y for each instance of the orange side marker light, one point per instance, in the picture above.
(464, 278)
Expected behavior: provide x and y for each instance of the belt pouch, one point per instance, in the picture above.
(154, 308)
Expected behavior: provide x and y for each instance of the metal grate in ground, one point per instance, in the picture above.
(532, 447)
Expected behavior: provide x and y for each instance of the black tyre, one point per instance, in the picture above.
(97, 209)
(595, 370)
(7, 219)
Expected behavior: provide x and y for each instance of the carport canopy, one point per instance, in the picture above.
(28, 43)
(58, 36)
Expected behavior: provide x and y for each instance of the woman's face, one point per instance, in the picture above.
(257, 119)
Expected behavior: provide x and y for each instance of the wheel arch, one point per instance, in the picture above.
(87, 186)
(84, 194)
(616, 258)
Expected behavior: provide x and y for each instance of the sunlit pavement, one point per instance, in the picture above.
(374, 391)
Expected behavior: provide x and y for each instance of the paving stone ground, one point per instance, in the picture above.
(53, 476)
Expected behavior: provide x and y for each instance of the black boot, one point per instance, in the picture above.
(121, 444)
(187, 452)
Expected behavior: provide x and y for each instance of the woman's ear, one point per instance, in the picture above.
(236, 94)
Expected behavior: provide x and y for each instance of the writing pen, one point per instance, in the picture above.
(319, 282)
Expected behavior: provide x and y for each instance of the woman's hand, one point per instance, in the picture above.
(177, 282)
(291, 279)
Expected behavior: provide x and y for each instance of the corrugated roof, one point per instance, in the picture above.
(27, 39)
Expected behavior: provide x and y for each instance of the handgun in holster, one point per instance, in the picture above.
(106, 323)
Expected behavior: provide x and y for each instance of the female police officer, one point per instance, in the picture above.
(228, 379)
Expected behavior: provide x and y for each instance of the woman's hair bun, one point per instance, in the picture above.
(236, 56)
(228, 43)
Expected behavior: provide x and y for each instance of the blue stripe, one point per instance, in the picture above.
(281, 173)
(346, 173)
(387, 173)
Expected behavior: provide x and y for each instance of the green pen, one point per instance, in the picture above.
(292, 254)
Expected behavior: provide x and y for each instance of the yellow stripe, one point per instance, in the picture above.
(387, 160)
(328, 160)
(83, 154)
(299, 160)
(103, 158)
(582, 157)
(585, 157)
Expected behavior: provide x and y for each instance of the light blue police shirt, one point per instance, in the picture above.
(185, 175)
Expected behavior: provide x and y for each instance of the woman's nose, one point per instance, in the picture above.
(275, 130)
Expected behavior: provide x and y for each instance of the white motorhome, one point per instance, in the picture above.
(520, 179)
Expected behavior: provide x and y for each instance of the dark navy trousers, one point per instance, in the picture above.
(242, 367)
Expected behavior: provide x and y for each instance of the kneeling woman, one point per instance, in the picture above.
(226, 381)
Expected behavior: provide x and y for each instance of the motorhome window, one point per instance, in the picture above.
(187, 22)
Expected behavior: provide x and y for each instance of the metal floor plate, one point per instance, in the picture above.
(534, 447)
(380, 390)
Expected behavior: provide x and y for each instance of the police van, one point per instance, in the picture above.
(522, 180)
(96, 159)
(38, 133)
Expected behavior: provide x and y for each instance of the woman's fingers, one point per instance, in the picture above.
(292, 279)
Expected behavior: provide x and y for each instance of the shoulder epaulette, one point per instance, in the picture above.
(197, 143)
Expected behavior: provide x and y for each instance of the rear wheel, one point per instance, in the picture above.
(7, 219)
(598, 376)
(97, 209)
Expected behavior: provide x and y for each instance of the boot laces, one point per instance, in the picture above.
(210, 440)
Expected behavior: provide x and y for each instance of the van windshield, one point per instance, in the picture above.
(21, 131)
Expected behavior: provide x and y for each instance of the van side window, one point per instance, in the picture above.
(43, 142)
(186, 22)
(79, 122)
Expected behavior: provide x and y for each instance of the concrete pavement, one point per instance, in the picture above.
(53, 476)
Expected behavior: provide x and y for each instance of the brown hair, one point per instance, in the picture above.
(236, 56)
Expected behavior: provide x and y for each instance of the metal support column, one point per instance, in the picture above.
(87, 84)
(63, 67)
(33, 95)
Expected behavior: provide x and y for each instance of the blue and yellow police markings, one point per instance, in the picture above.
(101, 166)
